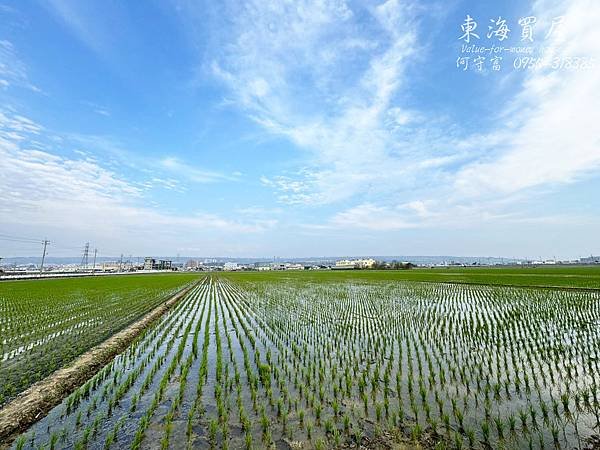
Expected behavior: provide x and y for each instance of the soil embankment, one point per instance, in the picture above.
(34, 403)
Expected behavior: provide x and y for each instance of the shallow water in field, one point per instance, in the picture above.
(471, 366)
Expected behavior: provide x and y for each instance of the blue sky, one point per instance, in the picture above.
(303, 128)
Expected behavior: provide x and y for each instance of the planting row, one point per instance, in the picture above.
(44, 324)
(292, 363)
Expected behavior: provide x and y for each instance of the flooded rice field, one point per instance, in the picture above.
(297, 364)
(46, 324)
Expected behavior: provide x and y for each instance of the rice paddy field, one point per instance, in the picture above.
(568, 277)
(45, 324)
(347, 360)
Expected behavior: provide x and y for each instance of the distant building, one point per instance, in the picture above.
(366, 263)
(231, 266)
(344, 264)
(192, 264)
(544, 262)
(590, 260)
(161, 264)
(347, 264)
(110, 267)
(164, 264)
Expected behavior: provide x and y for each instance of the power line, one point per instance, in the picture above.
(59, 246)
(20, 238)
(28, 240)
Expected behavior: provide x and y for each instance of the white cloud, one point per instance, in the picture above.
(16, 126)
(160, 167)
(293, 190)
(438, 214)
(12, 70)
(86, 25)
(553, 136)
(192, 173)
(98, 109)
(326, 76)
(300, 80)
(81, 199)
(371, 217)
(420, 208)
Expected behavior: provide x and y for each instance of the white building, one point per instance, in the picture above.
(344, 264)
(110, 267)
(365, 263)
(354, 264)
(231, 266)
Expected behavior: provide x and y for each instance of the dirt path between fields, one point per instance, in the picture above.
(34, 403)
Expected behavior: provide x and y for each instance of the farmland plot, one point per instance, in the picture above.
(242, 364)
(45, 324)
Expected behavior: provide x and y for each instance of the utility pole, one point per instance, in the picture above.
(95, 253)
(121, 262)
(45, 242)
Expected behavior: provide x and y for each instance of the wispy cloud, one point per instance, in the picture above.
(296, 189)
(12, 69)
(344, 84)
(334, 89)
(98, 109)
(552, 135)
(326, 75)
(176, 166)
(160, 167)
(437, 214)
(371, 217)
(85, 24)
(80, 197)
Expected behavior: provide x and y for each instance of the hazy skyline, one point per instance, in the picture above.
(306, 128)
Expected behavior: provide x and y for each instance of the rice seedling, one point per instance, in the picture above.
(334, 362)
(66, 317)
